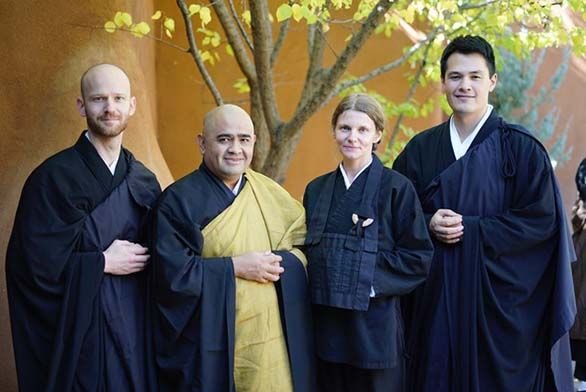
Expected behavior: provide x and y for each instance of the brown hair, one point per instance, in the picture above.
(364, 103)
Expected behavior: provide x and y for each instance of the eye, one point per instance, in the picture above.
(454, 77)
(245, 140)
(223, 139)
(344, 128)
(363, 130)
(120, 98)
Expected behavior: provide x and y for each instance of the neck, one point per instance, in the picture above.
(108, 148)
(352, 167)
(465, 123)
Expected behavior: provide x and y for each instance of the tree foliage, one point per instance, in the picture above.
(517, 102)
(254, 32)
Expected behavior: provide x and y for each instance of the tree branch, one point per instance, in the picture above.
(318, 98)
(240, 26)
(194, 51)
(315, 44)
(235, 40)
(410, 93)
(262, 39)
(283, 30)
(377, 71)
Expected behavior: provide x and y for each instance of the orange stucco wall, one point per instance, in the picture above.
(46, 48)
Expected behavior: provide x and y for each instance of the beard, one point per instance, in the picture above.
(101, 129)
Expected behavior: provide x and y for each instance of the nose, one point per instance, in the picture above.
(234, 147)
(353, 135)
(465, 84)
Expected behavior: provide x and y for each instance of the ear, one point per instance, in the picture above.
(81, 107)
(493, 80)
(202, 144)
(132, 106)
(379, 136)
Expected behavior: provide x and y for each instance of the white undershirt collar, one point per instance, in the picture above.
(237, 186)
(347, 181)
(461, 147)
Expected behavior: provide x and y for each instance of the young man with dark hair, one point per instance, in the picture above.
(496, 309)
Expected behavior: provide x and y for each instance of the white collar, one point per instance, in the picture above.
(347, 181)
(237, 186)
(459, 146)
(112, 166)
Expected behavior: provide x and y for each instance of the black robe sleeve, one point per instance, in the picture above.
(406, 250)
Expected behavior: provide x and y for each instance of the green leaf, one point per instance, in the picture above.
(284, 12)
(141, 29)
(110, 26)
(157, 15)
(123, 19)
(169, 24)
(205, 15)
(246, 17)
(241, 85)
(297, 12)
(194, 9)
(229, 50)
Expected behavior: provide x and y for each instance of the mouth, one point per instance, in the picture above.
(464, 96)
(233, 161)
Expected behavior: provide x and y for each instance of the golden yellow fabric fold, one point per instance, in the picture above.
(263, 217)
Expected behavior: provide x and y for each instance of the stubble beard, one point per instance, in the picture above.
(99, 129)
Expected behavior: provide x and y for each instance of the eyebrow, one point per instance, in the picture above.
(232, 135)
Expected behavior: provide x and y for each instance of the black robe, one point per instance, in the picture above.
(74, 327)
(496, 308)
(195, 296)
(371, 338)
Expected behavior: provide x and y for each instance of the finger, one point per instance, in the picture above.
(450, 220)
(447, 212)
(451, 241)
(274, 259)
(139, 258)
(139, 249)
(450, 236)
(274, 269)
(271, 277)
(448, 230)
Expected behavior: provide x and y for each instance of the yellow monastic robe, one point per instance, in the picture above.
(263, 217)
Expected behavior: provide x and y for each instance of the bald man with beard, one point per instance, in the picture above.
(75, 260)
(232, 308)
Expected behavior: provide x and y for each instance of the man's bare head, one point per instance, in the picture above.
(227, 142)
(106, 100)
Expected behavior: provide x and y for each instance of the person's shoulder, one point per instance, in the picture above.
(191, 184)
(62, 166)
(318, 182)
(522, 139)
(392, 179)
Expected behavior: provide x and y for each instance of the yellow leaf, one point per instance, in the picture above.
(229, 50)
(241, 85)
(194, 9)
(123, 19)
(215, 41)
(205, 15)
(284, 12)
(110, 26)
(325, 27)
(246, 17)
(206, 56)
(168, 33)
(297, 12)
(169, 24)
(141, 29)
(156, 15)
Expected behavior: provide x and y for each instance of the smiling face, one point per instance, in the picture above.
(355, 134)
(106, 101)
(227, 143)
(467, 84)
